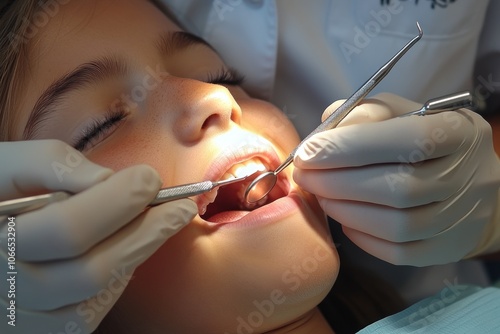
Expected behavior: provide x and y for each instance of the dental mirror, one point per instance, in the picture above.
(264, 183)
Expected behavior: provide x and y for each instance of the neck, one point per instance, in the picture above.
(311, 323)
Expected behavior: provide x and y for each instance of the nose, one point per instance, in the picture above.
(197, 108)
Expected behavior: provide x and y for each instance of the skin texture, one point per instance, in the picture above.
(267, 277)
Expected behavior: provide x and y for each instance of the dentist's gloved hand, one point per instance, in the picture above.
(417, 190)
(74, 258)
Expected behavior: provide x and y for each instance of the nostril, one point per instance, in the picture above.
(210, 121)
(213, 120)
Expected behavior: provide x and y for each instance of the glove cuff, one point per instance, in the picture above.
(490, 242)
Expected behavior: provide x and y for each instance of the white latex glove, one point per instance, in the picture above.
(74, 258)
(417, 190)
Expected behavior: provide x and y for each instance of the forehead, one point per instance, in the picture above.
(81, 31)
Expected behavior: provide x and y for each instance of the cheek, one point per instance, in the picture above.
(265, 119)
(132, 148)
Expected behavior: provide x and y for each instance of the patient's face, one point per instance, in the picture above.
(160, 97)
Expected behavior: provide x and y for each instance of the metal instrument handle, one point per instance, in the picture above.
(26, 204)
(444, 103)
(178, 192)
(448, 102)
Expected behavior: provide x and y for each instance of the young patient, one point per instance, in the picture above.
(121, 82)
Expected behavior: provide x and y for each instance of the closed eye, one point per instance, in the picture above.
(225, 76)
(100, 129)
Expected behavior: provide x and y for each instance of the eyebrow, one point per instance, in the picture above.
(96, 71)
(171, 42)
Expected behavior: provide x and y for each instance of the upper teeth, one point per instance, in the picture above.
(244, 168)
(241, 169)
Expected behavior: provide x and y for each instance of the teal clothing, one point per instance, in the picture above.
(456, 309)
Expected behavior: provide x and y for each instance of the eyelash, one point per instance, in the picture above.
(100, 128)
(225, 76)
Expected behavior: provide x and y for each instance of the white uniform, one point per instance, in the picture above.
(303, 55)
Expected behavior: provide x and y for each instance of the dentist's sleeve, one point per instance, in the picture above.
(456, 309)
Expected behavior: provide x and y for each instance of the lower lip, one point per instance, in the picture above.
(270, 213)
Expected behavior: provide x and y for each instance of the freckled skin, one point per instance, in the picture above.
(215, 275)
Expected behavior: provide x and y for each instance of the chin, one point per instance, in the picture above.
(217, 278)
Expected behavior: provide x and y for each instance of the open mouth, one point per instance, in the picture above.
(227, 204)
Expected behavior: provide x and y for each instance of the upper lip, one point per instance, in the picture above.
(242, 151)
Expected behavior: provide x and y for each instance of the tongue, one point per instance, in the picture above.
(227, 216)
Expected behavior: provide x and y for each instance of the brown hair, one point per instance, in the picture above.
(15, 26)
